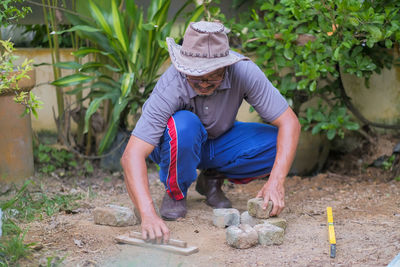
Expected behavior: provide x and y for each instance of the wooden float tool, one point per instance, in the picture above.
(173, 245)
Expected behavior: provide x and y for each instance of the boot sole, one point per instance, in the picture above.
(170, 219)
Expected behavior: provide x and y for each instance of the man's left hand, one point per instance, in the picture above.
(274, 191)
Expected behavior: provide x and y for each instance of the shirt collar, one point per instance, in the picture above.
(226, 84)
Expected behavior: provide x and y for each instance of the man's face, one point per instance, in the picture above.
(206, 84)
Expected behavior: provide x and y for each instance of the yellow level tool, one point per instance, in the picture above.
(331, 229)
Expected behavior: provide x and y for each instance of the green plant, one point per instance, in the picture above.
(50, 158)
(26, 206)
(55, 261)
(127, 50)
(13, 248)
(10, 12)
(10, 75)
(388, 163)
(333, 122)
(305, 46)
(41, 39)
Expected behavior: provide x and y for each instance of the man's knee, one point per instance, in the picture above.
(188, 127)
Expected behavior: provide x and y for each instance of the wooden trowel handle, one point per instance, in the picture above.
(172, 242)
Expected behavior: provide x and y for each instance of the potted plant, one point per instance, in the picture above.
(16, 102)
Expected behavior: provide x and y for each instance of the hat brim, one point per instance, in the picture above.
(198, 66)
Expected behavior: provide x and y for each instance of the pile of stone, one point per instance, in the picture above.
(252, 227)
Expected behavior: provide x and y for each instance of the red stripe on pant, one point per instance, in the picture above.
(172, 180)
(247, 180)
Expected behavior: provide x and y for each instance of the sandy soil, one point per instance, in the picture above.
(366, 211)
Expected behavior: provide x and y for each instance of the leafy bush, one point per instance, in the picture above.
(10, 11)
(304, 46)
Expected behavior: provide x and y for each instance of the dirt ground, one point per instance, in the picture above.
(366, 211)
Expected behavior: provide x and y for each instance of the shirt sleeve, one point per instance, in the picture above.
(260, 93)
(157, 110)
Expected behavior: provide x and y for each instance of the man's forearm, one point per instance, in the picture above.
(135, 172)
(138, 186)
(288, 136)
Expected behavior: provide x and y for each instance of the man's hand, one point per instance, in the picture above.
(154, 229)
(273, 190)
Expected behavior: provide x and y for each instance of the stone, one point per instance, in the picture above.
(226, 217)
(280, 222)
(242, 236)
(269, 234)
(114, 215)
(255, 208)
(245, 218)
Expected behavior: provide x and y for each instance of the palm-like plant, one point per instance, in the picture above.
(128, 50)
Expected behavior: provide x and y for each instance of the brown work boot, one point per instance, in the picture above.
(210, 186)
(172, 209)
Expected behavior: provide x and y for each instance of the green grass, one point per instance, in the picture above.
(13, 248)
(26, 207)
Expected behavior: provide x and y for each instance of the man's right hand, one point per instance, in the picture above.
(154, 229)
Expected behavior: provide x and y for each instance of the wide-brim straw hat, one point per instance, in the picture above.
(205, 48)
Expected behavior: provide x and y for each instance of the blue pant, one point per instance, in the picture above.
(247, 150)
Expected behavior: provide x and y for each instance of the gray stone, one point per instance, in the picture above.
(245, 218)
(269, 234)
(255, 208)
(114, 215)
(280, 222)
(242, 236)
(226, 217)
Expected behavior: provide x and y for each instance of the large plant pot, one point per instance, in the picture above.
(16, 151)
(380, 102)
(312, 153)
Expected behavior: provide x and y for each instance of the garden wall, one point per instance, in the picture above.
(45, 91)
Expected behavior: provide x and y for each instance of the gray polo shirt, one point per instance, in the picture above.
(217, 112)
